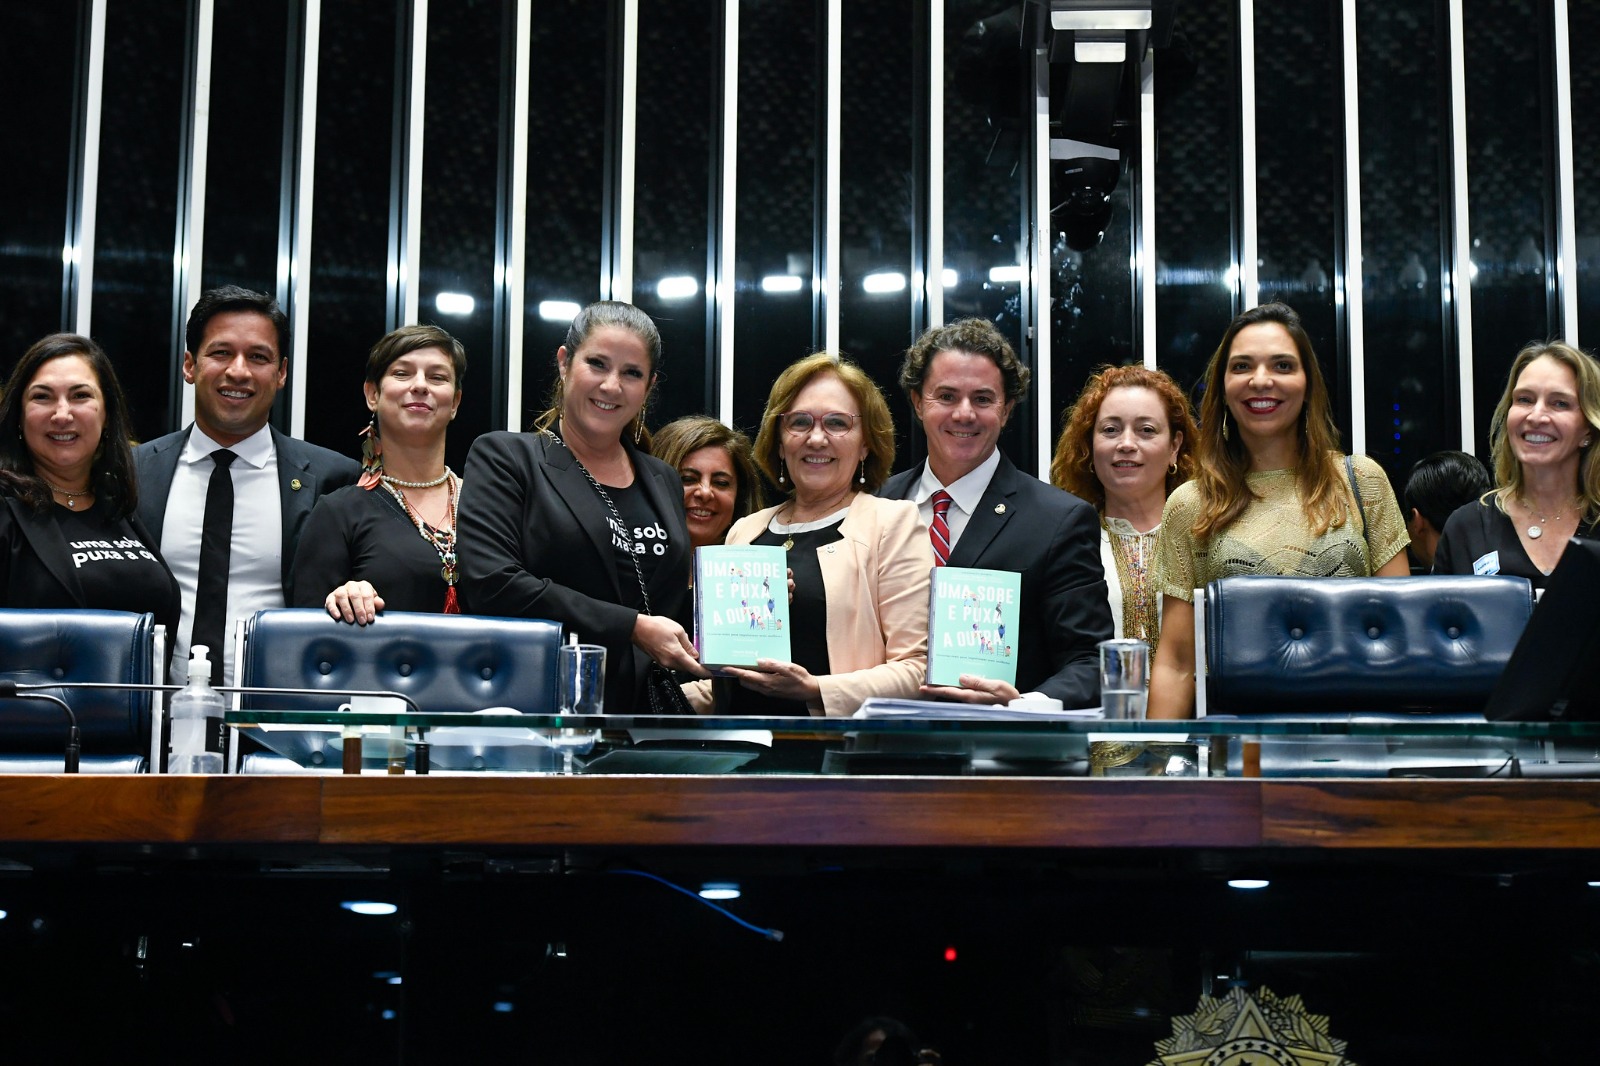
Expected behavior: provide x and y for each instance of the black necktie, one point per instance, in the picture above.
(216, 542)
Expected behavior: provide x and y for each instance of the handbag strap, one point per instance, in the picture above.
(621, 526)
(1350, 472)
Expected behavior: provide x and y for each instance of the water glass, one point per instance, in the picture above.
(580, 689)
(1124, 679)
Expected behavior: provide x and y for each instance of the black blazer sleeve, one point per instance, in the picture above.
(515, 530)
(1071, 592)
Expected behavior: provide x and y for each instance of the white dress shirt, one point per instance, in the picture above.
(255, 560)
(966, 494)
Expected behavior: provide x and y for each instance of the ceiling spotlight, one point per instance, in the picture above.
(1248, 882)
(558, 310)
(719, 890)
(454, 303)
(782, 283)
(678, 287)
(368, 906)
(888, 281)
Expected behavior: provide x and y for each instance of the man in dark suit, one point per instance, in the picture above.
(964, 380)
(236, 358)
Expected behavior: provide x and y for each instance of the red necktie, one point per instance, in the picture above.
(939, 532)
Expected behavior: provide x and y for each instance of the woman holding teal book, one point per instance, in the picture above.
(859, 616)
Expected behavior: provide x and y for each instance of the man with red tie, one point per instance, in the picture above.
(964, 380)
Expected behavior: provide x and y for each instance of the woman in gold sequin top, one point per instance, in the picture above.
(1125, 444)
(1273, 494)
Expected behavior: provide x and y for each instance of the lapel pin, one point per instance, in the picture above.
(999, 508)
(294, 485)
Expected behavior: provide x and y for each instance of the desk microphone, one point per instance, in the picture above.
(16, 690)
(12, 690)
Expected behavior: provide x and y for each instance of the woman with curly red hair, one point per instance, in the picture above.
(1125, 443)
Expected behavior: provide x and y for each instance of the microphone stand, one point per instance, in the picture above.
(74, 739)
(17, 690)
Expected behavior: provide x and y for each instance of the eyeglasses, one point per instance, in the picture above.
(834, 423)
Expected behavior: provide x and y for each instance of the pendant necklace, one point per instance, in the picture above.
(1535, 530)
(72, 497)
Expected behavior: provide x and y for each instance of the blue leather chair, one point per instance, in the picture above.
(445, 662)
(1340, 646)
(44, 647)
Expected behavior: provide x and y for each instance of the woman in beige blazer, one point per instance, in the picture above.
(859, 616)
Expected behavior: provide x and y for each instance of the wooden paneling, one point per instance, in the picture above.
(675, 811)
(155, 809)
(1431, 814)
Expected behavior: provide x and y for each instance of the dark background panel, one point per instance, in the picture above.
(1412, 390)
(40, 68)
(356, 109)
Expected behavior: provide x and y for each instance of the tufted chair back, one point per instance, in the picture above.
(446, 662)
(41, 647)
(1282, 645)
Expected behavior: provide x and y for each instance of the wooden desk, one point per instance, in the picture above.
(735, 812)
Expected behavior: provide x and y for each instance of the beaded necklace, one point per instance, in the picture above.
(1130, 548)
(443, 540)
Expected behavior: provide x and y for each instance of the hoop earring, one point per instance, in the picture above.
(638, 427)
(861, 473)
(1173, 469)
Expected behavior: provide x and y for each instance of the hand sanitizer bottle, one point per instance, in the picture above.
(196, 715)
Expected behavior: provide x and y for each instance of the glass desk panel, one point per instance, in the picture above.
(1357, 746)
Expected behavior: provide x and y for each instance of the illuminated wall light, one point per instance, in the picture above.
(950, 278)
(1008, 275)
(396, 980)
(889, 281)
(1248, 882)
(388, 1015)
(677, 287)
(454, 303)
(4, 914)
(367, 906)
(558, 310)
(1592, 884)
(719, 890)
(504, 1006)
(782, 283)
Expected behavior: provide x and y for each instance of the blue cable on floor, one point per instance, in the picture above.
(770, 934)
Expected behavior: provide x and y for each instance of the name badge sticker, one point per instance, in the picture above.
(1487, 564)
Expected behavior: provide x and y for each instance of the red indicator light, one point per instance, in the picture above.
(949, 954)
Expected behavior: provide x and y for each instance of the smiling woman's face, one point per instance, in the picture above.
(710, 490)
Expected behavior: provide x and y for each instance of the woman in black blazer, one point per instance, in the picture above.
(569, 521)
(69, 532)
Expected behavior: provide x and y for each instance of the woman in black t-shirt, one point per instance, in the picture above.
(574, 522)
(70, 535)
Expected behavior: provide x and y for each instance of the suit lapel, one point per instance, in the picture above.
(297, 493)
(985, 524)
(155, 481)
(594, 518)
(45, 538)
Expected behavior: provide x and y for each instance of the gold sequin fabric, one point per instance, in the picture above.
(1271, 536)
(1134, 553)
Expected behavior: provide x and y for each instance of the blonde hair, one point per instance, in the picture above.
(877, 425)
(1508, 474)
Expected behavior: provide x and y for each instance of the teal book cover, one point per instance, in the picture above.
(972, 624)
(741, 604)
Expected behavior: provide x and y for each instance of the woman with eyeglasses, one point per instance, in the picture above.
(858, 620)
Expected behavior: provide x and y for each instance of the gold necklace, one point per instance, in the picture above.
(71, 496)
